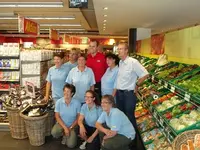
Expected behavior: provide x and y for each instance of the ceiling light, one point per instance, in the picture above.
(104, 24)
(68, 25)
(104, 27)
(67, 29)
(105, 15)
(73, 32)
(31, 4)
(39, 18)
(105, 8)
(105, 21)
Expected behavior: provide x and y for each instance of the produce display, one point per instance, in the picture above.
(168, 104)
(177, 110)
(140, 112)
(159, 144)
(162, 99)
(150, 135)
(143, 118)
(185, 120)
(146, 125)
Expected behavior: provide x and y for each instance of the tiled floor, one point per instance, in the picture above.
(8, 143)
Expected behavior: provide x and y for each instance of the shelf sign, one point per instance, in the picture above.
(28, 26)
(172, 89)
(53, 34)
(166, 85)
(160, 82)
(152, 78)
(187, 97)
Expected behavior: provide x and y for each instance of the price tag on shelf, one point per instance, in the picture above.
(152, 78)
(160, 82)
(172, 89)
(155, 115)
(161, 121)
(166, 85)
(187, 97)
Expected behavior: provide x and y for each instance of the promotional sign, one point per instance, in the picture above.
(66, 38)
(53, 34)
(157, 44)
(28, 26)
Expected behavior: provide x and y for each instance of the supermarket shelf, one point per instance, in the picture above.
(9, 57)
(29, 61)
(4, 90)
(29, 75)
(3, 111)
(4, 127)
(9, 69)
(9, 81)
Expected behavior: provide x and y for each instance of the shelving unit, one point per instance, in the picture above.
(187, 97)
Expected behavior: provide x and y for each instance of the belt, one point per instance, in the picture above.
(125, 90)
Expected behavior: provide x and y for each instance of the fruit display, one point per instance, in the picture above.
(192, 85)
(146, 125)
(177, 110)
(165, 73)
(162, 99)
(143, 118)
(168, 104)
(141, 112)
(150, 135)
(159, 144)
(185, 120)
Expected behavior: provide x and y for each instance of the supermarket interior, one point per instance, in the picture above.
(42, 41)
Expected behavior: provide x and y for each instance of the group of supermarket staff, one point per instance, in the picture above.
(107, 123)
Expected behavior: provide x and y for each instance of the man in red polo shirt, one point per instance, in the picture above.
(97, 62)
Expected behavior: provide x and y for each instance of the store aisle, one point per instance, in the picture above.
(8, 143)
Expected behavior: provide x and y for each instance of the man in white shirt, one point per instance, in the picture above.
(131, 75)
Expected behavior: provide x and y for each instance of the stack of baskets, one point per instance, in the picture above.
(36, 128)
(17, 125)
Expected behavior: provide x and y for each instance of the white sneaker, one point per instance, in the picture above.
(64, 140)
(83, 145)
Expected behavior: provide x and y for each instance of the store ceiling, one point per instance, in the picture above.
(85, 17)
(159, 15)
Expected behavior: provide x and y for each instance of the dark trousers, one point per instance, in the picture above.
(118, 142)
(126, 102)
(97, 89)
(95, 145)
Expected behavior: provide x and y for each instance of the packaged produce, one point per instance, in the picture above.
(150, 135)
(146, 125)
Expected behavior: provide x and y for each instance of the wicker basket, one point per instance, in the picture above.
(36, 128)
(182, 138)
(50, 122)
(16, 123)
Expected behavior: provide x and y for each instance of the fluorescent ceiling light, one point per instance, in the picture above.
(105, 15)
(105, 21)
(67, 29)
(31, 4)
(105, 8)
(67, 25)
(40, 18)
(73, 32)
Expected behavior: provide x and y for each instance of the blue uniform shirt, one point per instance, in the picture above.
(91, 115)
(57, 77)
(71, 65)
(129, 72)
(118, 121)
(68, 113)
(82, 81)
(108, 81)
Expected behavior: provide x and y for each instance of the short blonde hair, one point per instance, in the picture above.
(125, 44)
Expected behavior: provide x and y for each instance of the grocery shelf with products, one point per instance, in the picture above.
(169, 101)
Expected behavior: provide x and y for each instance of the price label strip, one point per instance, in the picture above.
(172, 89)
(187, 97)
(161, 122)
(152, 78)
(166, 85)
(160, 82)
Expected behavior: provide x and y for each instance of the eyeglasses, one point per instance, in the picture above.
(89, 97)
(105, 103)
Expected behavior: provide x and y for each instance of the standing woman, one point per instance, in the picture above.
(56, 77)
(89, 114)
(82, 78)
(66, 112)
(109, 78)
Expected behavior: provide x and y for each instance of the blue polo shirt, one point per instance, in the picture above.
(91, 115)
(57, 77)
(82, 81)
(68, 113)
(71, 65)
(108, 81)
(118, 121)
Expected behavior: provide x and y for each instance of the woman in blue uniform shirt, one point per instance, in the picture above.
(108, 79)
(67, 110)
(56, 77)
(89, 114)
(119, 131)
